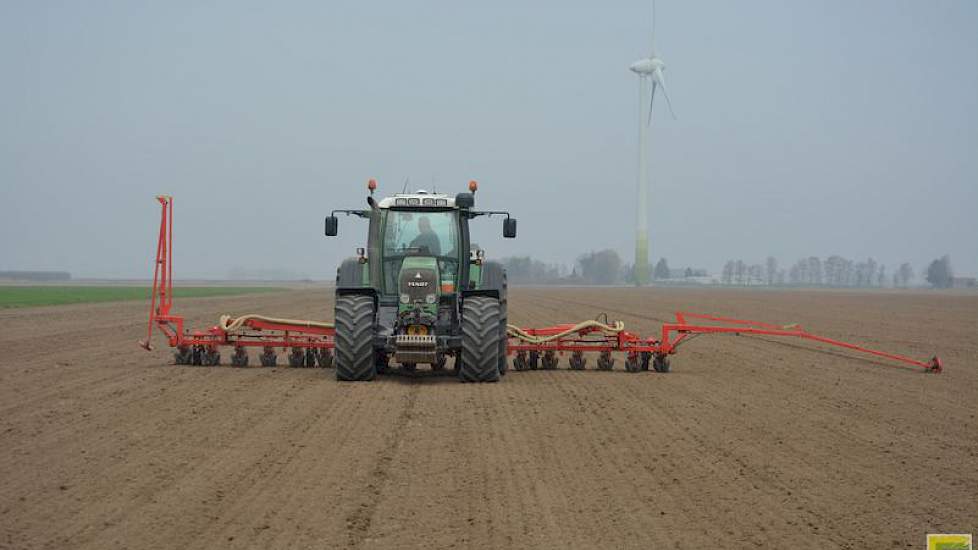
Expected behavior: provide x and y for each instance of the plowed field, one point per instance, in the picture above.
(749, 442)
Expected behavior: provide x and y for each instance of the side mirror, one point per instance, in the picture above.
(509, 228)
(332, 225)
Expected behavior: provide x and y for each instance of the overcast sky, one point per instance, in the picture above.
(804, 128)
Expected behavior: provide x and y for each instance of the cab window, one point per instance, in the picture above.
(421, 233)
(416, 233)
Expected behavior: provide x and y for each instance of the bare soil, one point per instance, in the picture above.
(749, 442)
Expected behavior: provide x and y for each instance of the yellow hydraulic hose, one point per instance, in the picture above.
(232, 324)
(516, 332)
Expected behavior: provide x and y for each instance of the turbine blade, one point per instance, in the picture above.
(661, 81)
(651, 101)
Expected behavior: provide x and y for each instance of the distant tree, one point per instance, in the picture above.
(800, 273)
(728, 272)
(794, 275)
(871, 268)
(602, 267)
(740, 272)
(756, 274)
(688, 273)
(881, 277)
(804, 273)
(771, 269)
(661, 270)
(833, 270)
(814, 270)
(903, 275)
(847, 278)
(939, 273)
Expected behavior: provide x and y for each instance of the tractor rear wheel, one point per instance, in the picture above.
(354, 353)
(494, 278)
(480, 340)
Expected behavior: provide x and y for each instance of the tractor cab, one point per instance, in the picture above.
(420, 232)
(418, 271)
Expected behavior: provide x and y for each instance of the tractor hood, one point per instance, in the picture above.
(418, 284)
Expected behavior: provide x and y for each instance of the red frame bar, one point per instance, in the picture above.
(743, 326)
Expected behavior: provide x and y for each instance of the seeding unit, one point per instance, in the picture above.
(311, 343)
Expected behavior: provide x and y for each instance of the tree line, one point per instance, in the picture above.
(605, 267)
(525, 269)
(601, 267)
(834, 271)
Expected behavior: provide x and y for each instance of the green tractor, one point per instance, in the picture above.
(420, 291)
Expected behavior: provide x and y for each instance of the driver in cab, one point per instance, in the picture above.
(427, 241)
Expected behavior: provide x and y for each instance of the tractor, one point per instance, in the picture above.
(420, 291)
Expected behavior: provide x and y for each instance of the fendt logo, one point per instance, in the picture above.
(417, 283)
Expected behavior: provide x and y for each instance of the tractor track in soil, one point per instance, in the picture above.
(749, 442)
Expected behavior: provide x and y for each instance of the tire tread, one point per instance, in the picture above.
(480, 339)
(354, 353)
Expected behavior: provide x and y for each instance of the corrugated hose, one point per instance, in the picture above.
(233, 324)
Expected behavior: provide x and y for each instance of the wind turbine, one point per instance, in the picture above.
(649, 71)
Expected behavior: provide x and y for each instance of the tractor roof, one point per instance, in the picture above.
(418, 199)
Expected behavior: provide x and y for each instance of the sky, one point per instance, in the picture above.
(803, 128)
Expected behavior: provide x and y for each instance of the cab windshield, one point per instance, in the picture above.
(415, 233)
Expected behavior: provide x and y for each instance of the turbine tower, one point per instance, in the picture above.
(649, 70)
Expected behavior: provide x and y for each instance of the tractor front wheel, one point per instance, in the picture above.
(480, 340)
(354, 353)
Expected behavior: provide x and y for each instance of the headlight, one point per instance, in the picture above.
(430, 298)
(405, 299)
